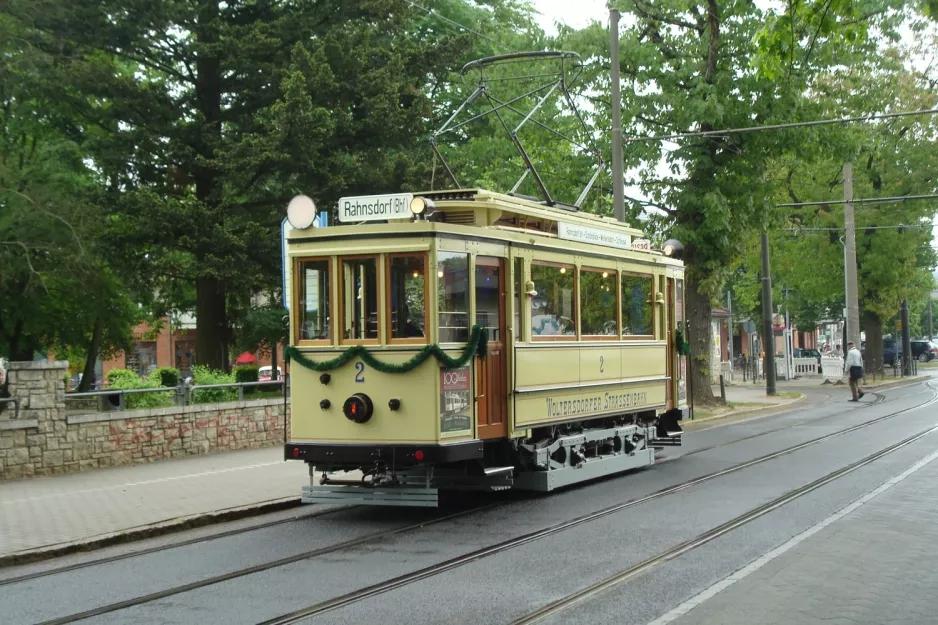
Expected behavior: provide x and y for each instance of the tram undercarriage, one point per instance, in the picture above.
(552, 458)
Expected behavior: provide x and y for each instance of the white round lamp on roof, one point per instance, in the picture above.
(301, 212)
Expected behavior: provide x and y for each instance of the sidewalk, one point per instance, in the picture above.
(55, 513)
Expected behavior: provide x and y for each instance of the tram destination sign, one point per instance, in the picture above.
(375, 207)
(596, 236)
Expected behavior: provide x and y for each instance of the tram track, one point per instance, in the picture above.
(561, 605)
(880, 398)
(427, 572)
(403, 580)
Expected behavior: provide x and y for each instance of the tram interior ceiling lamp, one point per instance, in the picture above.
(301, 212)
(422, 208)
(673, 249)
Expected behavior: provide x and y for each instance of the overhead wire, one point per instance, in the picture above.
(818, 122)
(432, 12)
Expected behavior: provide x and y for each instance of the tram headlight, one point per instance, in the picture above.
(421, 206)
(673, 248)
(301, 212)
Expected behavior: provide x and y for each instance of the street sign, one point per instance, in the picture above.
(375, 207)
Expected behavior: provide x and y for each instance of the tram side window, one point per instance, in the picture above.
(453, 296)
(313, 300)
(598, 303)
(360, 299)
(408, 297)
(636, 305)
(553, 312)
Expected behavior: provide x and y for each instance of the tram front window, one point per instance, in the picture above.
(408, 297)
(553, 312)
(313, 300)
(360, 299)
(453, 296)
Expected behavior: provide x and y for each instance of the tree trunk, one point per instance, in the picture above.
(211, 342)
(701, 343)
(211, 301)
(87, 376)
(873, 326)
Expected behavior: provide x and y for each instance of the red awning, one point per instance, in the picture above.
(246, 358)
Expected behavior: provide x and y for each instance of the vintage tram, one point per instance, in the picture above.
(466, 339)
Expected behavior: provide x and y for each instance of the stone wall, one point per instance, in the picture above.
(43, 440)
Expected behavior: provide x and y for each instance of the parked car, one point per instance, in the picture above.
(263, 374)
(924, 351)
(889, 352)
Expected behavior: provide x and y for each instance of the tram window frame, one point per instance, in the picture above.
(650, 278)
(576, 325)
(299, 288)
(388, 317)
(340, 278)
(611, 273)
(443, 255)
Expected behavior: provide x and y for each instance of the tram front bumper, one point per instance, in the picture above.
(397, 456)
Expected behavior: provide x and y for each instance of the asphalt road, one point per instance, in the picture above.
(509, 584)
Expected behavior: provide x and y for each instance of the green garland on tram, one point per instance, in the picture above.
(476, 347)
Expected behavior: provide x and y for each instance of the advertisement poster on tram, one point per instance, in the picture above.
(455, 407)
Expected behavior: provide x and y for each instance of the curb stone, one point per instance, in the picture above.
(151, 530)
(767, 409)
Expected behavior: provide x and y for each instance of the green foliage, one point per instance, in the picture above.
(246, 373)
(204, 118)
(204, 375)
(125, 379)
(167, 376)
(261, 329)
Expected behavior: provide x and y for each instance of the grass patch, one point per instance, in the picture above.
(788, 395)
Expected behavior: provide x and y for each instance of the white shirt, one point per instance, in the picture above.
(854, 359)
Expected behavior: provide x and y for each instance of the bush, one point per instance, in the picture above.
(167, 376)
(247, 373)
(126, 380)
(203, 375)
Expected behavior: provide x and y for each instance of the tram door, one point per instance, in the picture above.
(492, 374)
(672, 378)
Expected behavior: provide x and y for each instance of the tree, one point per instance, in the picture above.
(208, 117)
(693, 66)
(58, 288)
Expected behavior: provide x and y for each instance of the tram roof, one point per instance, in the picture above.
(523, 206)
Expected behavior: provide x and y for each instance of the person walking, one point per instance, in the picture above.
(853, 366)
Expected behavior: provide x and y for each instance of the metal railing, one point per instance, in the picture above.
(16, 405)
(182, 395)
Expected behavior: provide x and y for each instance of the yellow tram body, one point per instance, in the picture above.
(580, 335)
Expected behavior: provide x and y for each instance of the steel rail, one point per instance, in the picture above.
(210, 581)
(341, 601)
(556, 607)
(355, 596)
(880, 398)
(159, 548)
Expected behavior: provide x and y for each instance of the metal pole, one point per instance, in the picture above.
(618, 189)
(853, 305)
(931, 327)
(729, 327)
(906, 340)
(768, 335)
